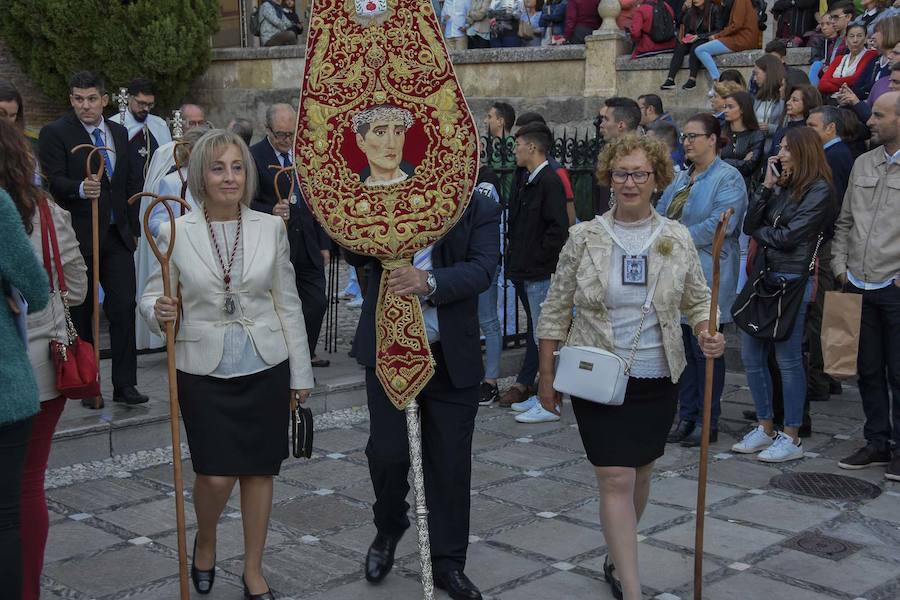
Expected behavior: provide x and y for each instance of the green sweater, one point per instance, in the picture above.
(20, 268)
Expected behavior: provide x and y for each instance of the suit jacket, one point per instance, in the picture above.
(307, 238)
(464, 263)
(267, 292)
(65, 172)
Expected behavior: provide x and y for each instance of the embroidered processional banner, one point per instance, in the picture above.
(386, 154)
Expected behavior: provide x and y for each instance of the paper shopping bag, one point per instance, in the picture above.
(840, 333)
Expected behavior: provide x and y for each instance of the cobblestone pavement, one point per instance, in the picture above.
(535, 526)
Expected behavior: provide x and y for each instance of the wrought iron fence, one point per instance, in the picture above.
(578, 155)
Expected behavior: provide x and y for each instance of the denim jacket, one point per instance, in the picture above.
(717, 189)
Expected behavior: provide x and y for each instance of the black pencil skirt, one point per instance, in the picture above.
(633, 434)
(237, 426)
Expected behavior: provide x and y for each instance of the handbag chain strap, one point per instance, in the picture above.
(48, 240)
(645, 310)
(812, 263)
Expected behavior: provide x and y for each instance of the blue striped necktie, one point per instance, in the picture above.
(98, 141)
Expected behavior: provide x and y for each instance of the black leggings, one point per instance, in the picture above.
(682, 50)
(13, 444)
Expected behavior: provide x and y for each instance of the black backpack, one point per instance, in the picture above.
(662, 27)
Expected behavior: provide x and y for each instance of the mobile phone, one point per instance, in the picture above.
(776, 168)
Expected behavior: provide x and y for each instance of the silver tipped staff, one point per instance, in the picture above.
(414, 433)
(122, 100)
(177, 124)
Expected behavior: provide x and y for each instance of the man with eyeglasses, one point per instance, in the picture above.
(146, 132)
(839, 17)
(310, 245)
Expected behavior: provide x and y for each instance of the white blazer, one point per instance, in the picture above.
(273, 316)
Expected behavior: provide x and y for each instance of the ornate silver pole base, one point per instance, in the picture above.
(414, 433)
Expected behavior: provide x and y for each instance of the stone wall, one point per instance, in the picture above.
(39, 109)
(566, 84)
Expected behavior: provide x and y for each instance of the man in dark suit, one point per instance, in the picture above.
(74, 189)
(310, 245)
(448, 279)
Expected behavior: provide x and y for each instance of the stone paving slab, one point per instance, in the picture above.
(535, 521)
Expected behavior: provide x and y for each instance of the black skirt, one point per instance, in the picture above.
(633, 434)
(237, 426)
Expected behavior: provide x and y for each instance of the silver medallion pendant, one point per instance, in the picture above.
(229, 304)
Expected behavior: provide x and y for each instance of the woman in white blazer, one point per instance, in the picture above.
(240, 349)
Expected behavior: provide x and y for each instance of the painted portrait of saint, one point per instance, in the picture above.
(380, 135)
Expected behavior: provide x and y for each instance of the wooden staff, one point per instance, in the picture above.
(163, 259)
(712, 329)
(95, 246)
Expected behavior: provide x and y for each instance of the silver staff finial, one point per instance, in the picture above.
(122, 99)
(177, 124)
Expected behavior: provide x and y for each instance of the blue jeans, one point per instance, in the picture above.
(692, 384)
(705, 53)
(531, 294)
(490, 327)
(815, 71)
(789, 356)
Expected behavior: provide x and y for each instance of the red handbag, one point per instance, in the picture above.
(77, 375)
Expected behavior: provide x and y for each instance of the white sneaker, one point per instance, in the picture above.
(782, 449)
(355, 303)
(754, 441)
(525, 405)
(537, 414)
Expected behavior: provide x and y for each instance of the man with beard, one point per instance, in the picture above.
(146, 132)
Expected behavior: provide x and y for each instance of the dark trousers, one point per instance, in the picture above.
(678, 54)
(879, 365)
(118, 280)
(529, 368)
(13, 445)
(692, 385)
(476, 41)
(448, 421)
(35, 519)
(311, 289)
(818, 384)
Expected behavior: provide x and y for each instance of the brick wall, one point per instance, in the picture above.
(39, 109)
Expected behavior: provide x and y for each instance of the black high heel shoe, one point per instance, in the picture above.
(267, 595)
(203, 580)
(615, 585)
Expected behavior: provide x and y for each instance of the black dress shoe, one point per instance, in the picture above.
(129, 395)
(95, 403)
(457, 585)
(696, 437)
(681, 431)
(266, 595)
(380, 558)
(203, 580)
(615, 585)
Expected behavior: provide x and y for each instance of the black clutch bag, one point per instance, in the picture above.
(301, 430)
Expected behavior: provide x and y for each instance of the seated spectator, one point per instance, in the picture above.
(699, 20)
(479, 25)
(768, 73)
(553, 20)
(793, 19)
(453, 17)
(643, 29)
(722, 90)
(275, 28)
(623, 21)
(581, 20)
(652, 110)
(800, 101)
(668, 134)
(505, 29)
(792, 75)
(891, 83)
(840, 15)
(735, 76)
(823, 45)
(872, 9)
(290, 11)
(740, 33)
(867, 86)
(530, 29)
(847, 69)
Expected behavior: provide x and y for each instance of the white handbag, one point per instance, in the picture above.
(595, 374)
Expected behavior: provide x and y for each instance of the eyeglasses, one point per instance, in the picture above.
(690, 137)
(638, 177)
(144, 105)
(282, 136)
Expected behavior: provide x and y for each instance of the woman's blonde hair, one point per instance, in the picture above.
(726, 88)
(205, 152)
(655, 150)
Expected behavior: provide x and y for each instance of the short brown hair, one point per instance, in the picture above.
(653, 148)
(889, 29)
